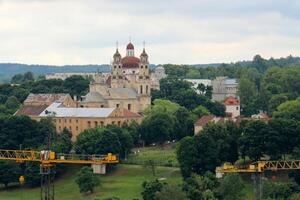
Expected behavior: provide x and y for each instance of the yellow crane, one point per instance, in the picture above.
(49, 159)
(257, 169)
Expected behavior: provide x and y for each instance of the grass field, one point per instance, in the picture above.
(125, 182)
(163, 157)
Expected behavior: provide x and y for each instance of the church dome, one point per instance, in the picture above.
(94, 97)
(130, 46)
(130, 62)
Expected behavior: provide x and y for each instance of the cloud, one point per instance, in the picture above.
(191, 31)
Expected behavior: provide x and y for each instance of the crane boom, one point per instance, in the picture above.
(260, 166)
(51, 158)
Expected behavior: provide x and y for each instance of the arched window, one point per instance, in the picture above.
(146, 89)
(141, 89)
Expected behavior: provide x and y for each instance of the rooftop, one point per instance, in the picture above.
(231, 101)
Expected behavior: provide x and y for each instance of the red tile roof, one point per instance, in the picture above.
(231, 101)
(130, 62)
(31, 110)
(204, 120)
(130, 114)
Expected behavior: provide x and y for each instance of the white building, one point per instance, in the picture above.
(232, 107)
(223, 87)
(63, 76)
(196, 82)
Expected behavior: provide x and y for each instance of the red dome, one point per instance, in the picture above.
(130, 62)
(130, 46)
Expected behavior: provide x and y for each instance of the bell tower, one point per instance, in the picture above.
(117, 79)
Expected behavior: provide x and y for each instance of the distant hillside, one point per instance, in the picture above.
(7, 70)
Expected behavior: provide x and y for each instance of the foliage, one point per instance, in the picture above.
(200, 111)
(288, 110)
(150, 188)
(170, 192)
(22, 78)
(98, 141)
(9, 172)
(157, 127)
(86, 180)
(231, 187)
(150, 164)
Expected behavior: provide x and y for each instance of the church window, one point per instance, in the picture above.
(89, 124)
(117, 105)
(129, 106)
(119, 67)
(142, 67)
(146, 89)
(146, 66)
(141, 89)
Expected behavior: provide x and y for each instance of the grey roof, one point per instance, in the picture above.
(122, 93)
(231, 81)
(94, 97)
(56, 110)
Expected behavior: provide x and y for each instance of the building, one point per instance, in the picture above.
(48, 99)
(159, 73)
(64, 76)
(196, 82)
(77, 120)
(223, 87)
(232, 107)
(128, 86)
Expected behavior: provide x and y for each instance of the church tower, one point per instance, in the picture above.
(144, 81)
(117, 80)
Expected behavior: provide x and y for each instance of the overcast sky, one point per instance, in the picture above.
(187, 31)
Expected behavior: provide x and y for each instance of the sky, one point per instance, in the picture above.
(60, 32)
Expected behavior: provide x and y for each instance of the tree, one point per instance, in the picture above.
(200, 111)
(186, 156)
(150, 164)
(232, 187)
(12, 103)
(157, 127)
(86, 181)
(248, 96)
(184, 124)
(288, 110)
(151, 188)
(98, 141)
(76, 85)
(170, 192)
(62, 142)
(9, 172)
(252, 141)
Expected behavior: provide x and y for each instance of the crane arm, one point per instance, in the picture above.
(50, 158)
(260, 166)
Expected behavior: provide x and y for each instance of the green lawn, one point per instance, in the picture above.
(163, 157)
(125, 182)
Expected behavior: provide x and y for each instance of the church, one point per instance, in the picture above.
(128, 86)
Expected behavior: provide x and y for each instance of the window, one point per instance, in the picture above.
(119, 67)
(115, 67)
(141, 89)
(59, 128)
(119, 123)
(65, 120)
(146, 89)
(133, 72)
(129, 107)
(101, 123)
(146, 67)
(117, 105)
(70, 128)
(59, 120)
(141, 67)
(89, 124)
(96, 123)
(102, 106)
(70, 120)
(237, 108)
(76, 120)
(113, 122)
(76, 128)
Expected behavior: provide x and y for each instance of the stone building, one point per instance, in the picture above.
(77, 119)
(232, 107)
(128, 86)
(223, 87)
